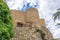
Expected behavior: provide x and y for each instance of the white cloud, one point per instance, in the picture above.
(46, 10)
(14, 4)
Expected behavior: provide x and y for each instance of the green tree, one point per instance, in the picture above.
(6, 25)
(57, 14)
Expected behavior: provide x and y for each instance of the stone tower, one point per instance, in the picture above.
(26, 23)
(29, 21)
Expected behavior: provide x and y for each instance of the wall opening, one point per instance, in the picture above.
(19, 24)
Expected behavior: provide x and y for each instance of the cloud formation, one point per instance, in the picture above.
(46, 10)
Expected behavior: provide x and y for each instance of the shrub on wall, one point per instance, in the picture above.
(42, 33)
(6, 25)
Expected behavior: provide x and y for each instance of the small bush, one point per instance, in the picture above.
(42, 33)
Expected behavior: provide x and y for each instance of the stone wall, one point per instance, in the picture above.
(26, 33)
(30, 21)
(32, 15)
(26, 22)
(18, 16)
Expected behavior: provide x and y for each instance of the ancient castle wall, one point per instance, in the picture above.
(18, 16)
(32, 15)
(30, 19)
(42, 26)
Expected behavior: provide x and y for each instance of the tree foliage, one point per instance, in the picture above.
(57, 15)
(6, 26)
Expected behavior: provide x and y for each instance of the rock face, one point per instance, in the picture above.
(26, 23)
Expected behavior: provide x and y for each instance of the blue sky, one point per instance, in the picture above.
(46, 9)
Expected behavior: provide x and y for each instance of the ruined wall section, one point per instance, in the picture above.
(48, 34)
(32, 15)
(18, 16)
(30, 19)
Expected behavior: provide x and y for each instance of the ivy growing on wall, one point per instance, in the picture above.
(6, 25)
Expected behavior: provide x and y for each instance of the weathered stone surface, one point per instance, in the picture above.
(26, 33)
(25, 24)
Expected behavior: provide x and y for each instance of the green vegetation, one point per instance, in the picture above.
(57, 14)
(42, 33)
(6, 26)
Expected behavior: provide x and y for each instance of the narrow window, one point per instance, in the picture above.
(19, 24)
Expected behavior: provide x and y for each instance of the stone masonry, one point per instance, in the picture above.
(25, 24)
